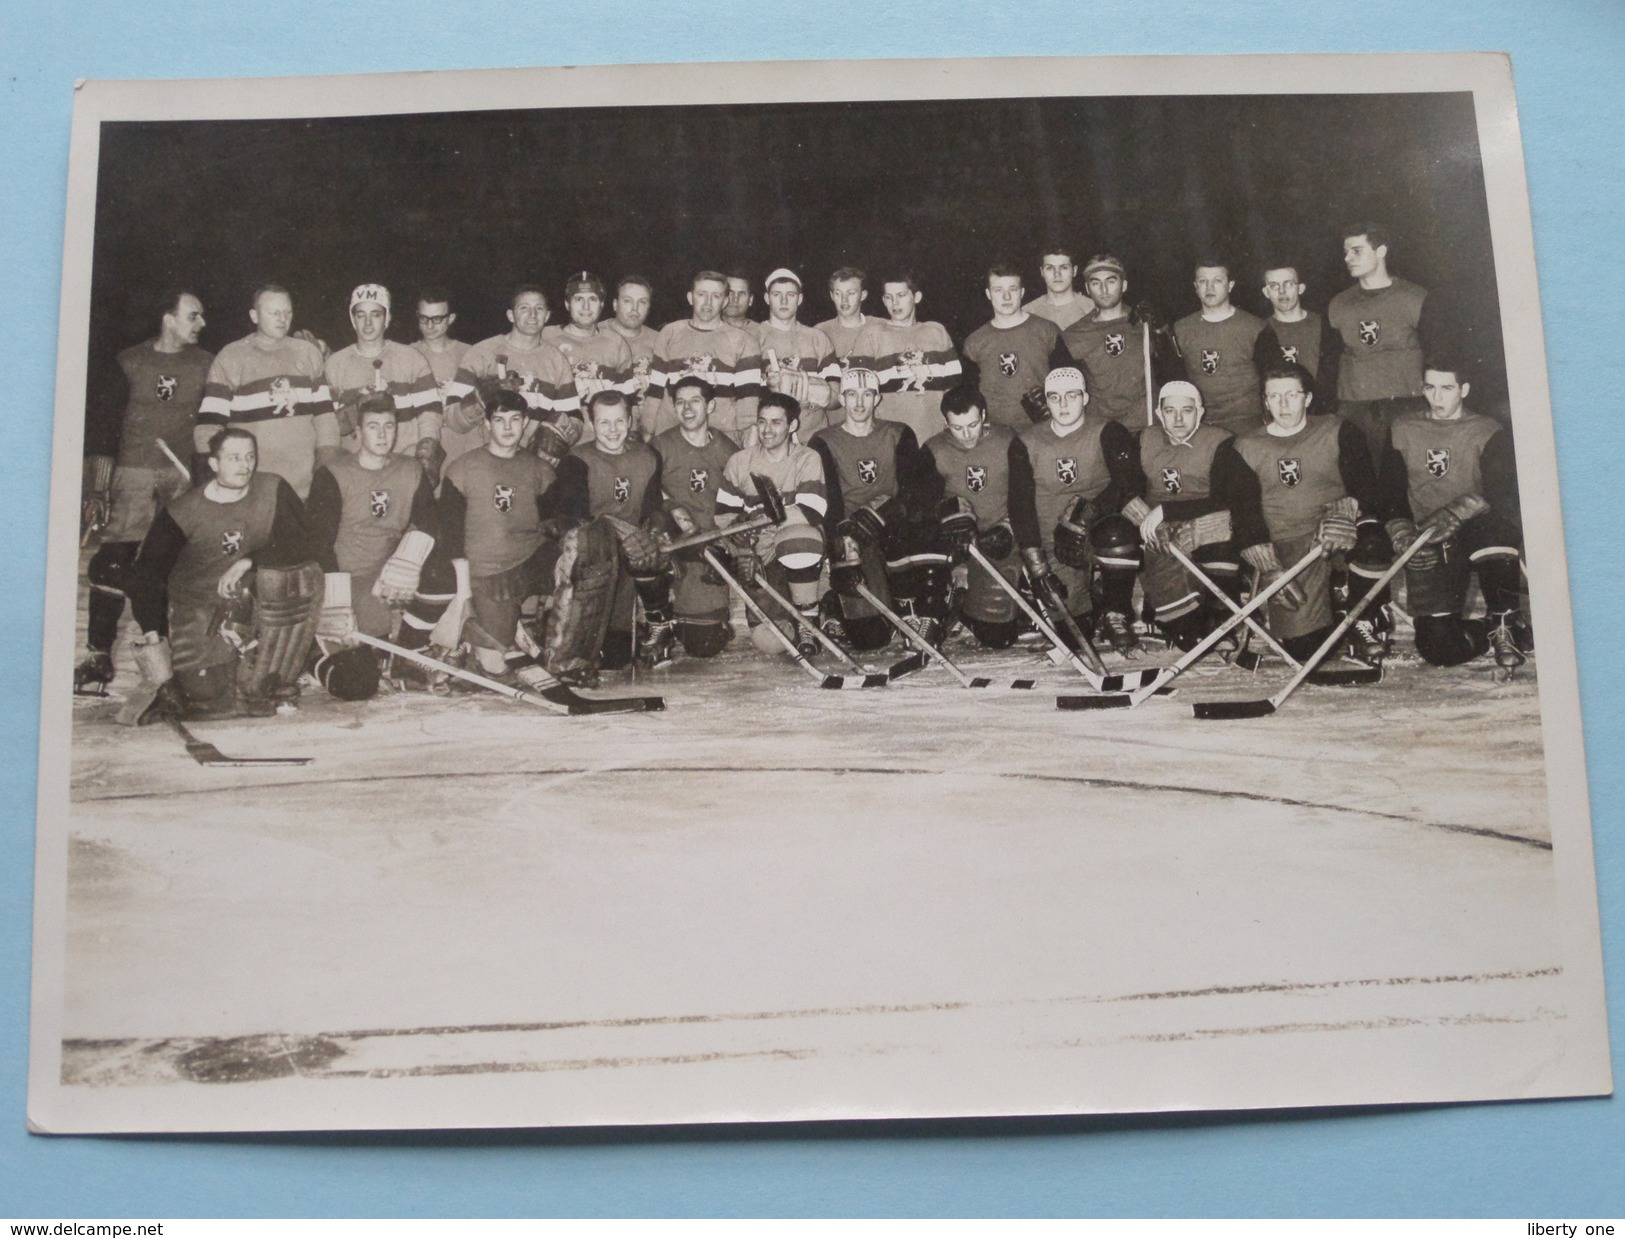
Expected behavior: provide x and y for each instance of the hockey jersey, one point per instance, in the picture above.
(1112, 356)
(809, 350)
(277, 390)
(799, 477)
(1382, 342)
(358, 515)
(724, 356)
(1063, 316)
(690, 476)
(1083, 464)
(400, 371)
(489, 509)
(540, 373)
(461, 429)
(1299, 474)
(165, 389)
(1010, 362)
(1219, 360)
(916, 363)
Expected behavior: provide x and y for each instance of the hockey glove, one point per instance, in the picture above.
(1263, 558)
(1072, 533)
(1046, 584)
(98, 500)
(555, 436)
(1033, 404)
(865, 526)
(956, 526)
(1402, 532)
(1448, 519)
(337, 620)
(432, 456)
(401, 574)
(997, 541)
(1338, 530)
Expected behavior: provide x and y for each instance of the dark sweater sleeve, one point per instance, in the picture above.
(1331, 360)
(1122, 452)
(292, 540)
(1393, 486)
(1355, 468)
(1238, 485)
(833, 495)
(920, 484)
(1134, 471)
(1023, 497)
(1266, 349)
(452, 515)
(325, 509)
(107, 397)
(1499, 467)
(650, 506)
(149, 575)
(424, 517)
(568, 495)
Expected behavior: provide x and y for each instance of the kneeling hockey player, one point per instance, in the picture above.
(1317, 485)
(227, 591)
(1201, 496)
(1452, 470)
(791, 554)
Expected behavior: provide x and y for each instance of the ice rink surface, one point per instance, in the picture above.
(774, 901)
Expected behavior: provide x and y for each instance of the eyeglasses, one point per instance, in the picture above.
(433, 320)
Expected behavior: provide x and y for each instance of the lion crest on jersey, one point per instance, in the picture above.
(914, 362)
(1438, 461)
(1289, 353)
(868, 470)
(623, 489)
(1114, 344)
(1210, 361)
(1066, 470)
(703, 365)
(503, 498)
(378, 500)
(698, 480)
(585, 371)
(1291, 471)
(1170, 481)
(1370, 332)
(640, 367)
(167, 386)
(231, 542)
(1007, 364)
(281, 397)
(975, 477)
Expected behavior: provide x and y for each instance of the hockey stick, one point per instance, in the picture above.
(1260, 709)
(1234, 607)
(556, 698)
(1150, 396)
(1100, 681)
(928, 650)
(175, 460)
(824, 681)
(205, 753)
(773, 513)
(801, 620)
(1258, 599)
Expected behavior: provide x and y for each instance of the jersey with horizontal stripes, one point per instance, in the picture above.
(724, 356)
(799, 477)
(844, 339)
(540, 373)
(401, 372)
(809, 350)
(165, 389)
(690, 476)
(461, 429)
(916, 363)
(278, 390)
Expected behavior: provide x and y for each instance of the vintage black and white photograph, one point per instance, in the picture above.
(800, 591)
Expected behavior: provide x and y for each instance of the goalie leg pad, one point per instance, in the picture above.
(194, 636)
(584, 580)
(1438, 590)
(287, 608)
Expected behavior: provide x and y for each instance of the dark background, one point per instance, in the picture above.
(481, 201)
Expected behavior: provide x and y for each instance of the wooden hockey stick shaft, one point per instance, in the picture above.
(174, 459)
(915, 639)
(1234, 607)
(755, 608)
(457, 672)
(1096, 678)
(801, 620)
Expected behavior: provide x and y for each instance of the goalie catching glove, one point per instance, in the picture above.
(400, 576)
(1267, 563)
(641, 546)
(555, 435)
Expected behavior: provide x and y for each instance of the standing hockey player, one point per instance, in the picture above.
(797, 361)
(848, 288)
(915, 360)
(736, 304)
(1060, 303)
(693, 456)
(523, 361)
(724, 356)
(1083, 472)
(1380, 322)
(987, 479)
(617, 477)
(460, 430)
(1452, 470)
(154, 394)
(274, 384)
(374, 364)
(1295, 335)
(1201, 496)
(1316, 484)
(791, 554)
(227, 591)
(872, 468)
(599, 358)
(633, 296)
(1013, 353)
(372, 515)
(1217, 344)
(1121, 351)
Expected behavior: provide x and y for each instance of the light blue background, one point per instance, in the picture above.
(1539, 1159)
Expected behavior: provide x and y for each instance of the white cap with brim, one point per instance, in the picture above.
(781, 274)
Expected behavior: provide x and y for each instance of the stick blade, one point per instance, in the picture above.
(906, 666)
(1346, 676)
(576, 704)
(837, 682)
(1109, 700)
(1214, 710)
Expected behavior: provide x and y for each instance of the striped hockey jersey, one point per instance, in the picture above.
(277, 390)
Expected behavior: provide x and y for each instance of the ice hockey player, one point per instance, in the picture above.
(736, 304)
(227, 591)
(915, 360)
(724, 356)
(1011, 354)
(633, 296)
(460, 431)
(374, 363)
(848, 289)
(273, 384)
(152, 395)
(1113, 345)
(1217, 344)
(1316, 484)
(693, 456)
(1061, 303)
(872, 468)
(1452, 470)
(791, 555)
(1083, 472)
(797, 360)
(600, 358)
(1295, 335)
(987, 479)
(1201, 496)
(523, 361)
(372, 515)
(509, 546)
(617, 478)
(1380, 320)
